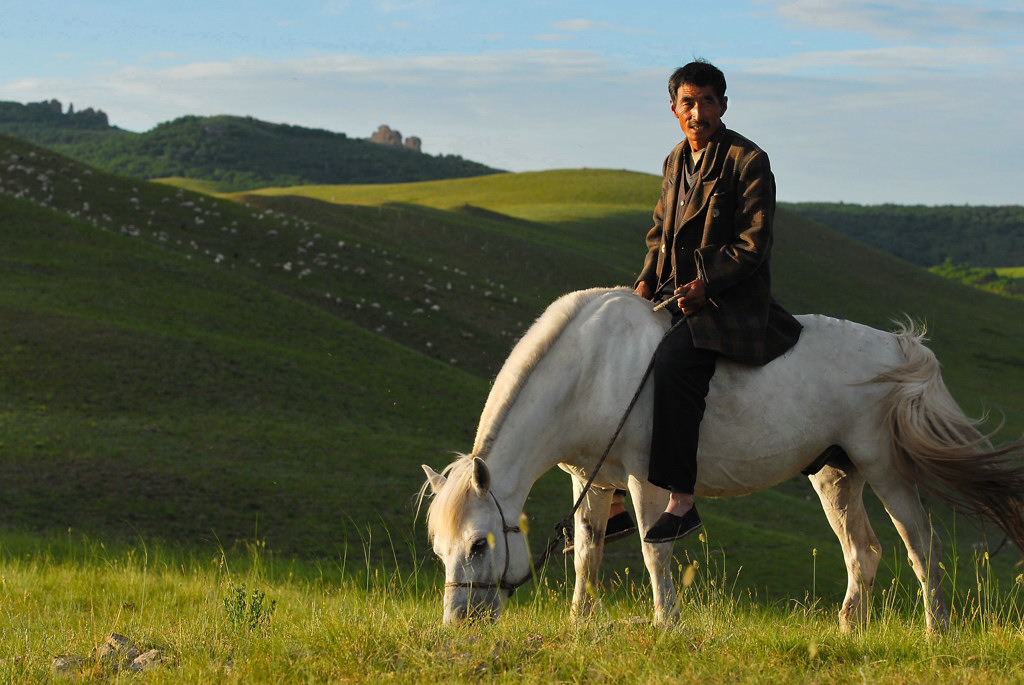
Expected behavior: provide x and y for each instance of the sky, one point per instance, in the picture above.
(861, 101)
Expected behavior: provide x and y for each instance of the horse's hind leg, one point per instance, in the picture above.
(588, 545)
(841, 493)
(902, 501)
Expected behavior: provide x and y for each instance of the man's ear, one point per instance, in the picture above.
(725, 103)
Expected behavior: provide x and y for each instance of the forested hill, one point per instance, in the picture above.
(929, 236)
(238, 153)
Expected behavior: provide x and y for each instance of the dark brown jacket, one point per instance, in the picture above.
(733, 206)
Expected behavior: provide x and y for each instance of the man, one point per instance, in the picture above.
(708, 253)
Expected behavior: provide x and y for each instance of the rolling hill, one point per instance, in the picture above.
(203, 371)
(231, 152)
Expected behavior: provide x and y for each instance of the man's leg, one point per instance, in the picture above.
(682, 375)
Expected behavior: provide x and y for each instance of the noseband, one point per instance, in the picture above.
(502, 583)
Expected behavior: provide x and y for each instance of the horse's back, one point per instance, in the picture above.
(828, 366)
(762, 424)
(779, 417)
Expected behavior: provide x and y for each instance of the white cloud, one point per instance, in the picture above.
(927, 136)
(23, 85)
(391, 6)
(551, 37)
(163, 55)
(588, 25)
(335, 6)
(917, 20)
(892, 59)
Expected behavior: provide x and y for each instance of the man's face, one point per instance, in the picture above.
(699, 112)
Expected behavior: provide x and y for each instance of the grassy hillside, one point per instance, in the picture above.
(604, 214)
(1006, 281)
(547, 196)
(204, 371)
(153, 390)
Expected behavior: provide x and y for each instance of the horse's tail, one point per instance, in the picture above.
(941, 449)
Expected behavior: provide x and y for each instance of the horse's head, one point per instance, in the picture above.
(484, 553)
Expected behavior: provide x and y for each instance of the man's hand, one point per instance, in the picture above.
(643, 290)
(692, 296)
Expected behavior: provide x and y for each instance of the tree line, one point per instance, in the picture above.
(979, 237)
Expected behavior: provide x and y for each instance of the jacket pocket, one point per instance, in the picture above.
(720, 207)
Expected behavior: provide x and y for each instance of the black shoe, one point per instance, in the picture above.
(619, 526)
(670, 527)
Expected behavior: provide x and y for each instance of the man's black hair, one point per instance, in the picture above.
(698, 73)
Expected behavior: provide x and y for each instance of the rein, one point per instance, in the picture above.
(563, 524)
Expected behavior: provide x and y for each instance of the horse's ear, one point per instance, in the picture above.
(481, 476)
(435, 479)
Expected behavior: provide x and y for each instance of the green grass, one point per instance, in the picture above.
(165, 377)
(547, 196)
(197, 185)
(332, 624)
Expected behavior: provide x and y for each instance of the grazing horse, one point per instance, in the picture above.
(848, 402)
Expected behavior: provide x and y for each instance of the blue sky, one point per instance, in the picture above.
(910, 102)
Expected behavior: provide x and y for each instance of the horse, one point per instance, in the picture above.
(855, 404)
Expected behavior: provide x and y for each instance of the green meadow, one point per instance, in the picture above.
(200, 392)
(252, 616)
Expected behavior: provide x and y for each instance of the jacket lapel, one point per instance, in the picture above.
(668, 234)
(704, 188)
(677, 190)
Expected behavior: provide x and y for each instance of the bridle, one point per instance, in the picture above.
(502, 583)
(563, 524)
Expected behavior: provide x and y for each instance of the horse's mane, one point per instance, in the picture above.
(445, 511)
(527, 353)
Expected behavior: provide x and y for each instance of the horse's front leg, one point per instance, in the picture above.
(591, 519)
(649, 501)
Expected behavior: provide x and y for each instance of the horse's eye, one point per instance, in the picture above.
(478, 547)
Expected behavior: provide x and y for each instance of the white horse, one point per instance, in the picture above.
(872, 404)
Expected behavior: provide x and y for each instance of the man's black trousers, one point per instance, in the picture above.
(681, 375)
